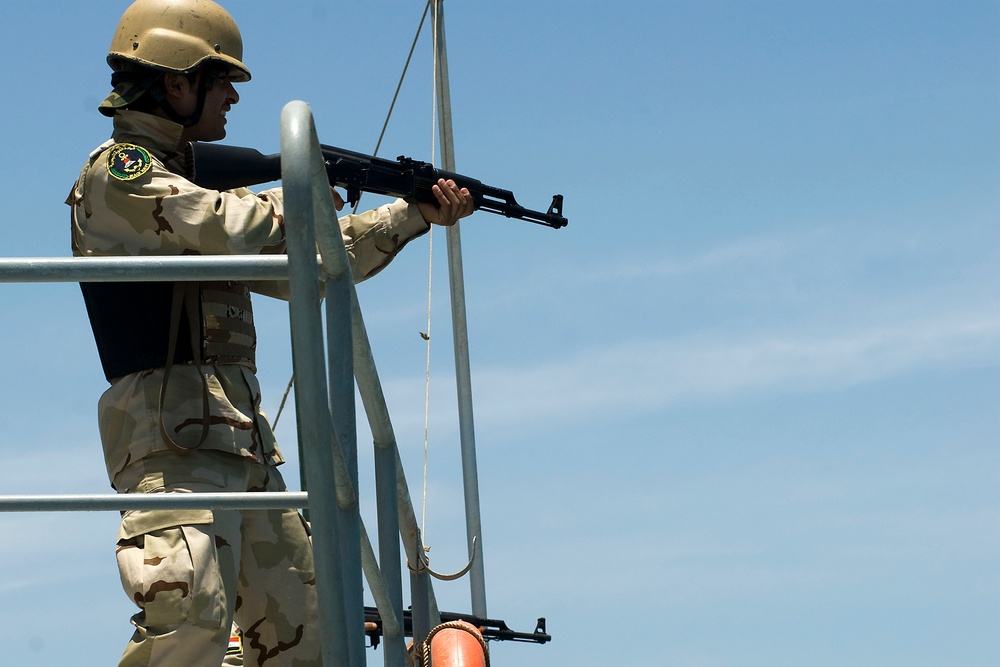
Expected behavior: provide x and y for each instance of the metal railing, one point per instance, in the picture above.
(325, 408)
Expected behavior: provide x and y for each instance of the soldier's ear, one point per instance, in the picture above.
(176, 86)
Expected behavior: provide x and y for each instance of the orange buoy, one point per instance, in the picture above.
(457, 644)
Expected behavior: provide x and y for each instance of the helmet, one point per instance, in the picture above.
(175, 36)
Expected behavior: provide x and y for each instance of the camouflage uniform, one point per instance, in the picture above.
(193, 572)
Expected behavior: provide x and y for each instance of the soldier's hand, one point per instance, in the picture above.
(338, 201)
(453, 203)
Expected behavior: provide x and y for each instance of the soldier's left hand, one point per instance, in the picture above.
(338, 201)
(453, 203)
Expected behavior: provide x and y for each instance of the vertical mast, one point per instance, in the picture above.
(470, 475)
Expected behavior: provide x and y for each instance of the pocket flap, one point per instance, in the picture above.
(140, 522)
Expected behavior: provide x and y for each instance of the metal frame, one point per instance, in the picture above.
(460, 332)
(325, 410)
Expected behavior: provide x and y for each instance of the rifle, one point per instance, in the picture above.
(491, 629)
(220, 167)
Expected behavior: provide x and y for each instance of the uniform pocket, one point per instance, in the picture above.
(140, 522)
(169, 568)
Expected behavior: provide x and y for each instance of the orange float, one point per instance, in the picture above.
(457, 644)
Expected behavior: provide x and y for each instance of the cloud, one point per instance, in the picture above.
(648, 374)
(742, 252)
(809, 309)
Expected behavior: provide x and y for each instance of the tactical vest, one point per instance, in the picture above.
(132, 325)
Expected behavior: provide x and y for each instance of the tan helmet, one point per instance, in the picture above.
(172, 36)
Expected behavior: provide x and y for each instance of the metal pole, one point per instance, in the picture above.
(142, 269)
(386, 485)
(395, 507)
(340, 350)
(420, 616)
(299, 166)
(151, 501)
(470, 474)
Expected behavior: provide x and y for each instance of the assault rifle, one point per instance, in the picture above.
(490, 629)
(220, 167)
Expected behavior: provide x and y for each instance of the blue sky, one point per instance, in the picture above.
(742, 411)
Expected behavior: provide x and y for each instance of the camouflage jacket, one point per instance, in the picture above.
(154, 210)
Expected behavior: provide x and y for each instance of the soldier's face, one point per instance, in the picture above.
(218, 101)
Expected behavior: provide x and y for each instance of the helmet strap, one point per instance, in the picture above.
(204, 85)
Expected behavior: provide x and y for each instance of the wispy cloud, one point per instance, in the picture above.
(657, 373)
(649, 374)
(746, 251)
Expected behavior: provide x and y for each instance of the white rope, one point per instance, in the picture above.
(427, 384)
(430, 275)
(424, 655)
(378, 144)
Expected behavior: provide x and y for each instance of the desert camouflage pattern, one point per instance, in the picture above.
(227, 329)
(163, 213)
(193, 573)
(130, 431)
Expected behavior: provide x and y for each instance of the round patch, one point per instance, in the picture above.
(128, 161)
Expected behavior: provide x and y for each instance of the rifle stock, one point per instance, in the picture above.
(221, 167)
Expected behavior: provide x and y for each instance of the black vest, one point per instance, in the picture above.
(131, 324)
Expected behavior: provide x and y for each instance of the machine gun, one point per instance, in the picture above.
(490, 629)
(220, 167)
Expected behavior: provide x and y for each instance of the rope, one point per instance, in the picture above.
(427, 380)
(424, 565)
(425, 646)
(378, 145)
(430, 274)
(399, 87)
(284, 397)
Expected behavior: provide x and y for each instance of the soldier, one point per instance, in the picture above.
(183, 412)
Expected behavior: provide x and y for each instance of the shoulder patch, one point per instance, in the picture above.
(127, 162)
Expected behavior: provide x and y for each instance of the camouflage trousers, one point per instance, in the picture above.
(194, 573)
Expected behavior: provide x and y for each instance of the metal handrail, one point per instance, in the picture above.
(142, 269)
(309, 202)
(299, 164)
(325, 413)
(351, 360)
(148, 501)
